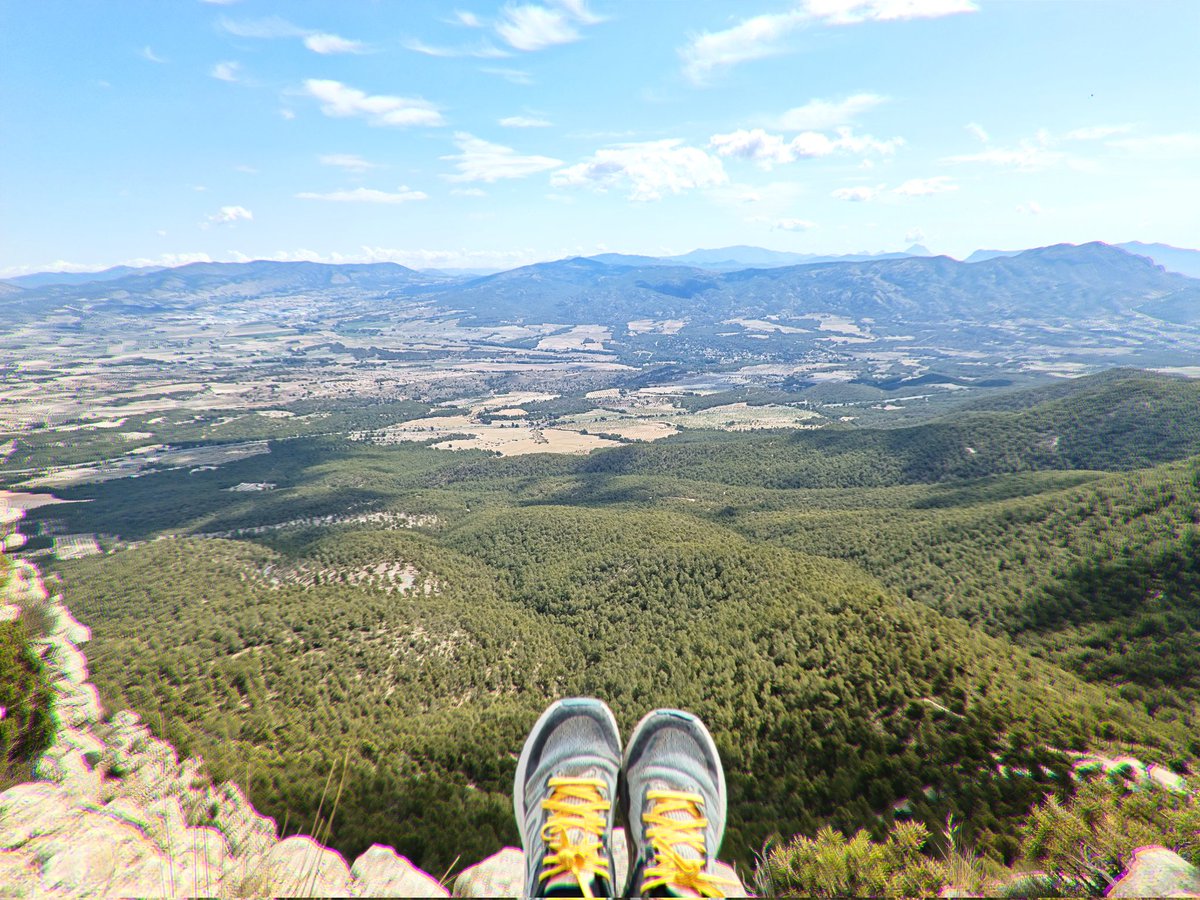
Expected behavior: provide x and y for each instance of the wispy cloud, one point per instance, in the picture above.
(467, 19)
(1032, 208)
(1096, 132)
(340, 101)
(278, 27)
(754, 38)
(366, 195)
(480, 50)
(792, 225)
(468, 192)
(766, 35)
(821, 115)
(514, 76)
(226, 71)
(976, 131)
(922, 187)
(480, 160)
(648, 169)
(854, 12)
(326, 44)
(530, 26)
(349, 161)
(535, 27)
(1027, 156)
(228, 215)
(860, 194)
(523, 122)
(768, 150)
(150, 56)
(267, 28)
(1160, 146)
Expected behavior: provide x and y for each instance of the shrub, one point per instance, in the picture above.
(830, 865)
(1091, 837)
(26, 704)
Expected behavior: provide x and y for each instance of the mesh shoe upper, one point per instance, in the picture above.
(564, 796)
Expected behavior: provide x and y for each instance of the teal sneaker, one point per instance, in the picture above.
(673, 796)
(564, 800)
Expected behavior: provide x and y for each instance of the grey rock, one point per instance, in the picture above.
(1157, 872)
(31, 810)
(382, 872)
(99, 854)
(20, 878)
(500, 875)
(300, 867)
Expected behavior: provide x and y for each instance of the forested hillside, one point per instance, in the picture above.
(857, 614)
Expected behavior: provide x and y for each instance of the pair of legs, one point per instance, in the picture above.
(669, 784)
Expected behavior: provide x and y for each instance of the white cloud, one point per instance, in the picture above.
(755, 38)
(1032, 208)
(341, 101)
(921, 187)
(150, 56)
(1096, 132)
(366, 195)
(482, 50)
(756, 144)
(227, 71)
(270, 27)
(468, 192)
(530, 27)
(228, 215)
(467, 19)
(245, 169)
(649, 169)
(286, 114)
(854, 12)
(579, 11)
(792, 225)
(976, 131)
(821, 115)
(860, 194)
(523, 122)
(1027, 156)
(331, 43)
(514, 76)
(914, 236)
(770, 149)
(482, 160)
(349, 161)
(1161, 146)
(765, 35)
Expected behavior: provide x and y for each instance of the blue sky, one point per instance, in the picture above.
(480, 133)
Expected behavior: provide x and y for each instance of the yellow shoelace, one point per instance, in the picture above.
(667, 833)
(576, 805)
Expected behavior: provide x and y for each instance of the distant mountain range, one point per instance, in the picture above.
(1046, 284)
(1173, 259)
(732, 259)
(41, 279)
(721, 259)
(1062, 284)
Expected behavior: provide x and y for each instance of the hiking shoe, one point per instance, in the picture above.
(564, 800)
(673, 796)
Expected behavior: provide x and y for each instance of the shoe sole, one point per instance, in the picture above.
(523, 762)
(706, 741)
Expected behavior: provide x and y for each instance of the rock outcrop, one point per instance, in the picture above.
(1157, 872)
